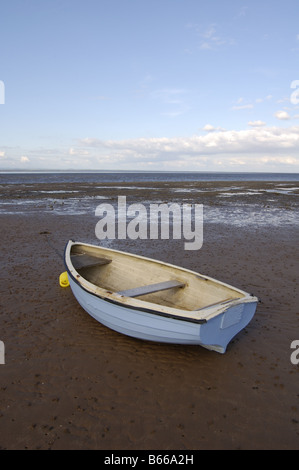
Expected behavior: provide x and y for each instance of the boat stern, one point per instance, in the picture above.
(217, 333)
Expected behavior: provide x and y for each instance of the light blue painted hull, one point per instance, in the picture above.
(215, 334)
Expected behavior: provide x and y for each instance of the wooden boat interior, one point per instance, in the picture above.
(152, 281)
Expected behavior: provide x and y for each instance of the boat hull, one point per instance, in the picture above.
(215, 334)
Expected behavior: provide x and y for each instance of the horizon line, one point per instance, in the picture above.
(87, 170)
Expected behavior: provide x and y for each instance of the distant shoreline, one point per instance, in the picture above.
(20, 171)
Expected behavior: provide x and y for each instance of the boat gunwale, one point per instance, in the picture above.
(128, 302)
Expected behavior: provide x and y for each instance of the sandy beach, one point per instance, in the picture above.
(71, 383)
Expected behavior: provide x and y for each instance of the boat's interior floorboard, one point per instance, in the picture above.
(83, 260)
(153, 282)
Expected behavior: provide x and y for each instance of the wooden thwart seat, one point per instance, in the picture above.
(81, 261)
(150, 289)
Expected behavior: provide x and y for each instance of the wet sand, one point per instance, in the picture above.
(71, 383)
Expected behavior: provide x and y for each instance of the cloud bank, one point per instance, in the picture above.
(251, 149)
(259, 148)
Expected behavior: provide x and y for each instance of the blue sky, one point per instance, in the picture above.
(149, 85)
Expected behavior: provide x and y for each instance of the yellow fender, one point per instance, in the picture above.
(64, 280)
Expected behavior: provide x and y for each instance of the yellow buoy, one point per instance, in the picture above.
(63, 280)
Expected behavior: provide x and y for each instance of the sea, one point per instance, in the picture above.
(239, 199)
(38, 177)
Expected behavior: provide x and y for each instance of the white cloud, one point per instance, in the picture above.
(210, 128)
(78, 152)
(282, 115)
(241, 13)
(248, 148)
(283, 100)
(256, 123)
(241, 105)
(257, 148)
(205, 46)
(210, 39)
(261, 100)
(2, 154)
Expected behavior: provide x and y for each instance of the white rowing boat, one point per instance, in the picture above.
(156, 301)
